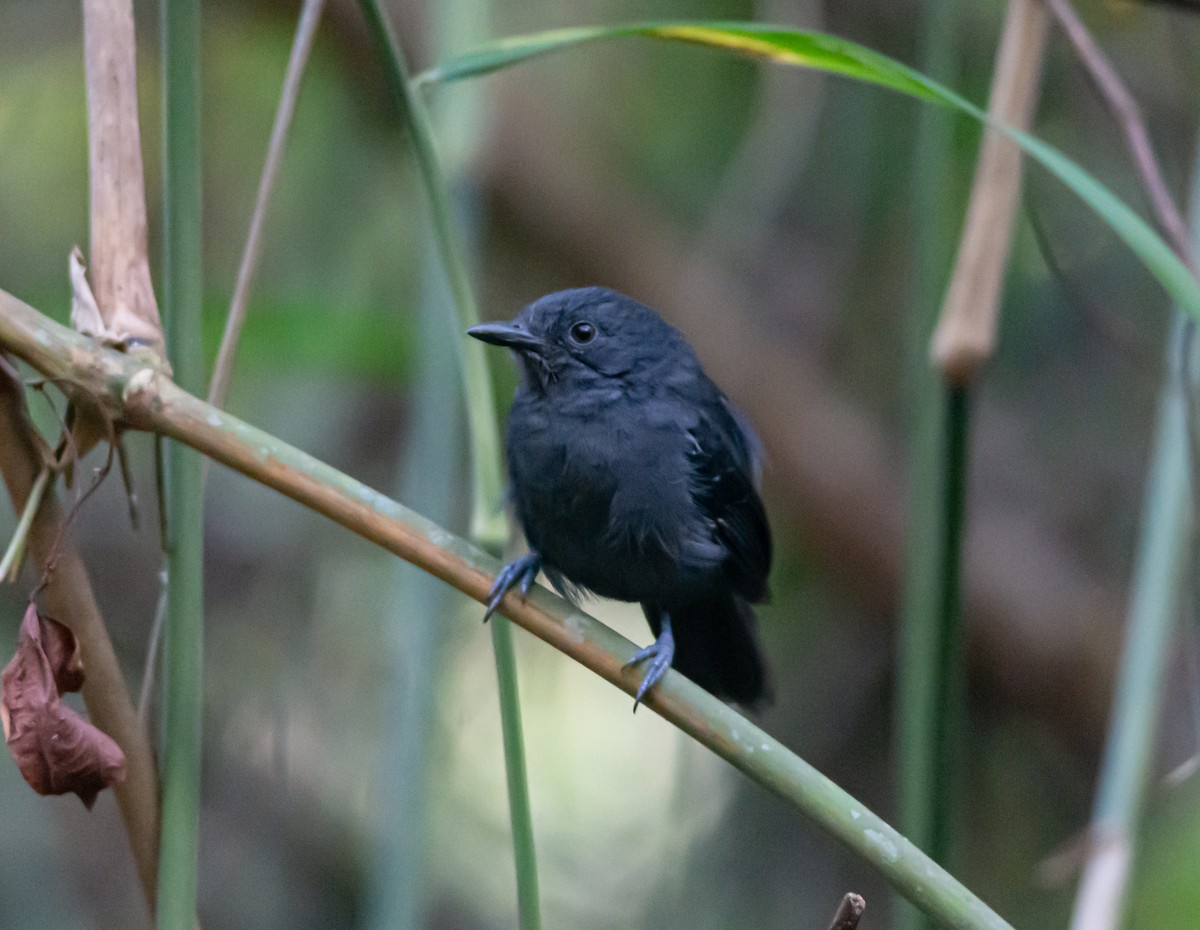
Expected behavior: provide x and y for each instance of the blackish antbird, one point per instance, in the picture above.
(635, 478)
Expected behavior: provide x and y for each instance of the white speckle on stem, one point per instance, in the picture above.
(574, 625)
(885, 846)
(43, 337)
(855, 814)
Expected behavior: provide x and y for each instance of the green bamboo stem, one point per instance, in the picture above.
(1159, 577)
(923, 807)
(145, 399)
(396, 898)
(489, 526)
(1153, 611)
(183, 652)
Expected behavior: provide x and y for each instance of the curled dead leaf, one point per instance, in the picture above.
(136, 334)
(62, 651)
(56, 750)
(85, 314)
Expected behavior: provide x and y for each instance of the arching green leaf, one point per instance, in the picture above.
(823, 52)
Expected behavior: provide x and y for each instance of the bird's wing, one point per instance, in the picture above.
(724, 463)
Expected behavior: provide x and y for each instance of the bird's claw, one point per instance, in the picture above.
(660, 653)
(519, 573)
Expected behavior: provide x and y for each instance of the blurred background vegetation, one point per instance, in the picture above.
(767, 213)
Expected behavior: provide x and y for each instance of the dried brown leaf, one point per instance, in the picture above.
(56, 750)
(62, 651)
(85, 314)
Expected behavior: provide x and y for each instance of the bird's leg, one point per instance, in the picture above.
(660, 653)
(520, 572)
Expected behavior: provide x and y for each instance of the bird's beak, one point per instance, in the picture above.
(507, 334)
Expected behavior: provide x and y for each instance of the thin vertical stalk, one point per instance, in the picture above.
(1154, 605)
(519, 811)
(962, 342)
(184, 630)
(923, 807)
(488, 523)
(488, 527)
(948, 685)
(396, 897)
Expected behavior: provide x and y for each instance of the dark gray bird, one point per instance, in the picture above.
(635, 478)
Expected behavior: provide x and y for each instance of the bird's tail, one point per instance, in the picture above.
(716, 646)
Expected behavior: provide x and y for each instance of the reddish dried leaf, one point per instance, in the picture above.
(62, 651)
(56, 750)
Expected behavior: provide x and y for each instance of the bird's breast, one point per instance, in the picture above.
(604, 495)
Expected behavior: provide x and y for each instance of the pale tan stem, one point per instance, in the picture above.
(966, 332)
(120, 269)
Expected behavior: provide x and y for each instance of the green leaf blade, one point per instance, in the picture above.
(833, 55)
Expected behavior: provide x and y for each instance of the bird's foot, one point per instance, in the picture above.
(660, 653)
(519, 573)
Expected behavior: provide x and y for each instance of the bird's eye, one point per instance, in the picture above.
(582, 333)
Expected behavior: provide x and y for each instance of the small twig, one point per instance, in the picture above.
(160, 489)
(1119, 334)
(127, 482)
(1129, 117)
(306, 29)
(50, 561)
(10, 565)
(148, 672)
(849, 912)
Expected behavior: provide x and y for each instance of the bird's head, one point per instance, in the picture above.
(589, 335)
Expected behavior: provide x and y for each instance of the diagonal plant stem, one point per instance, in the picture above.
(489, 525)
(1153, 609)
(306, 30)
(1129, 117)
(10, 563)
(1160, 573)
(1167, 527)
(146, 399)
